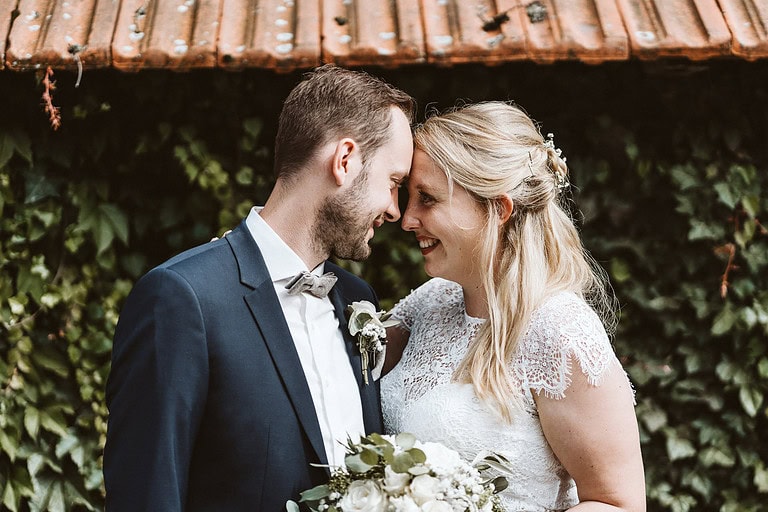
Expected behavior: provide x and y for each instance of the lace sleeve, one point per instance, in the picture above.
(564, 330)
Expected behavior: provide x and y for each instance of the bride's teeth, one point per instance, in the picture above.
(424, 244)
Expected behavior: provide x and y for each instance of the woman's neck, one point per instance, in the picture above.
(475, 301)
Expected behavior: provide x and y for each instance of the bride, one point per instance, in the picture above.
(506, 348)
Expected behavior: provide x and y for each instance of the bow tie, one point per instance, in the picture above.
(304, 281)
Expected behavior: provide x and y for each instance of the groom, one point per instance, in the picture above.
(228, 378)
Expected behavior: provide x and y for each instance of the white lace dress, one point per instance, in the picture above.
(418, 395)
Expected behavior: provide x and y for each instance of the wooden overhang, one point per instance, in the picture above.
(285, 35)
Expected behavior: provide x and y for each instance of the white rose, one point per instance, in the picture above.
(404, 504)
(424, 488)
(363, 496)
(443, 460)
(394, 483)
(362, 313)
(436, 506)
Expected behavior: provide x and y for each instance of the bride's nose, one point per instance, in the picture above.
(410, 221)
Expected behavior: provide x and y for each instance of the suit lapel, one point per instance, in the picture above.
(268, 315)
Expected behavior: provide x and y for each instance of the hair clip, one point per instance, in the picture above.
(527, 180)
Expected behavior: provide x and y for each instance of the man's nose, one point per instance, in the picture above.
(392, 214)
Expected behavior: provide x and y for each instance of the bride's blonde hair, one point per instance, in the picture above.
(494, 149)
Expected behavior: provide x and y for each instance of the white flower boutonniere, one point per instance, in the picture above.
(370, 328)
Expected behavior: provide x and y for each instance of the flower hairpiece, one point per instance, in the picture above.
(370, 328)
(561, 178)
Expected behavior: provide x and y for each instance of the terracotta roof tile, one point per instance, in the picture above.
(299, 34)
(174, 34)
(281, 34)
(682, 28)
(7, 14)
(748, 20)
(60, 32)
(386, 32)
(588, 30)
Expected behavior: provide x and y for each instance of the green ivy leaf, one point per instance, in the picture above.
(8, 444)
(751, 399)
(6, 149)
(714, 456)
(761, 478)
(117, 220)
(726, 195)
(10, 500)
(38, 187)
(679, 448)
(32, 421)
(723, 322)
(700, 230)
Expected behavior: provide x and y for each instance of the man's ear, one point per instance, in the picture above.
(341, 160)
(505, 208)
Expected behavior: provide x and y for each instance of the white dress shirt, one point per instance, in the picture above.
(315, 331)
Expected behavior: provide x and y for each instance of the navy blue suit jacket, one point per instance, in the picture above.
(209, 407)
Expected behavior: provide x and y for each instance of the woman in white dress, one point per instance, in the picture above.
(506, 348)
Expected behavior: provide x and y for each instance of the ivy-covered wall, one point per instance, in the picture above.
(670, 167)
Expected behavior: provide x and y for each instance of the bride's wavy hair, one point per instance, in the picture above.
(494, 149)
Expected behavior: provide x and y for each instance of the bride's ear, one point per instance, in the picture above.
(505, 207)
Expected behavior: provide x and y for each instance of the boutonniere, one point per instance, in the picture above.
(370, 328)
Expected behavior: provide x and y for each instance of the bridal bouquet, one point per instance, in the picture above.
(401, 474)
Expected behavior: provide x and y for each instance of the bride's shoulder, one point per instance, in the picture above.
(569, 315)
(564, 329)
(435, 295)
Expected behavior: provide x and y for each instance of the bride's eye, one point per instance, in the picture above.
(426, 199)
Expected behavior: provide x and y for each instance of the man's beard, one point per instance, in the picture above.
(342, 223)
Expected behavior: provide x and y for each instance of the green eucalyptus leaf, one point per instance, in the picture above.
(402, 462)
(369, 457)
(355, 464)
(315, 493)
(418, 456)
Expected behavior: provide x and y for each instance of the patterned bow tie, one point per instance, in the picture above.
(304, 281)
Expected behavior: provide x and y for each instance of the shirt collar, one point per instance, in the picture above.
(282, 262)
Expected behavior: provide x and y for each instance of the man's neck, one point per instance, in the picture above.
(293, 219)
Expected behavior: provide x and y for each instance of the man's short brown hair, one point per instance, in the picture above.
(333, 102)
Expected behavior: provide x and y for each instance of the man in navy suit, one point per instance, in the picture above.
(227, 382)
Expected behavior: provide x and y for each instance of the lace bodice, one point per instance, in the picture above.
(419, 396)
